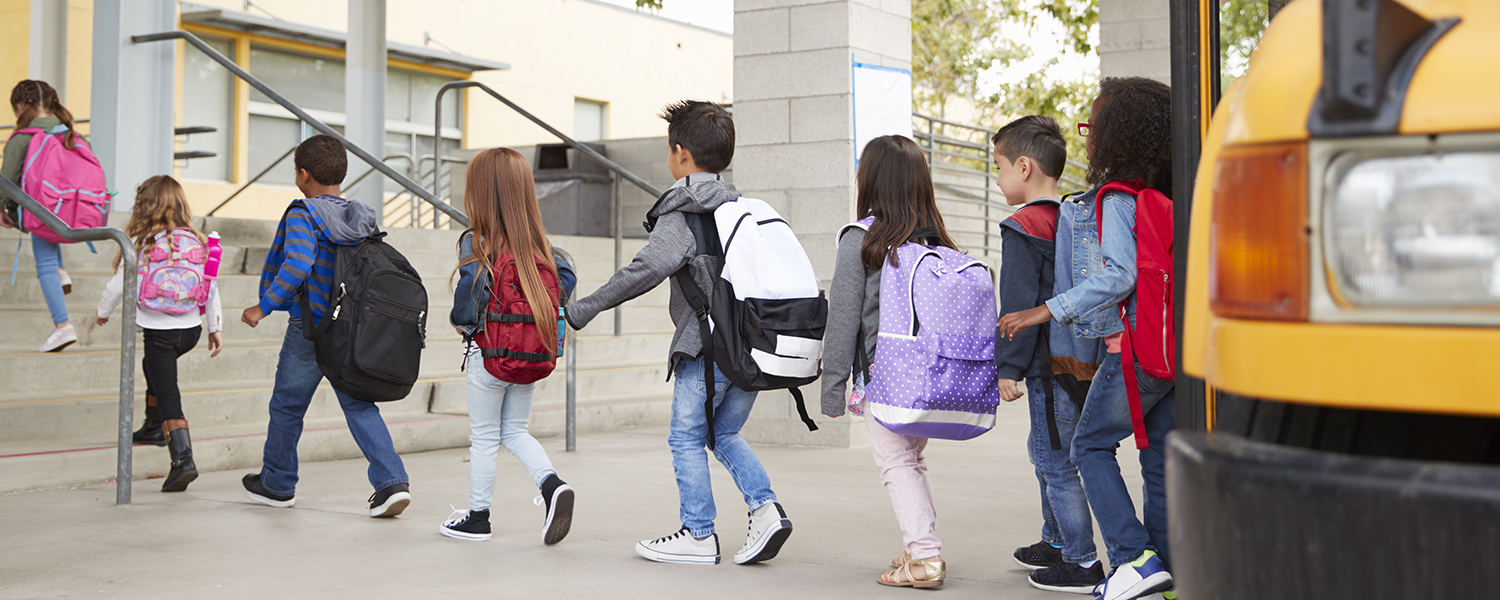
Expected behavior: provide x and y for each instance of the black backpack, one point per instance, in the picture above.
(759, 343)
(369, 344)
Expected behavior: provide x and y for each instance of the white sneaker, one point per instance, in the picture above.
(60, 338)
(1140, 578)
(769, 529)
(680, 547)
(67, 282)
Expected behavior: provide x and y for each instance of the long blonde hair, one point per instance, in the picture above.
(160, 207)
(500, 199)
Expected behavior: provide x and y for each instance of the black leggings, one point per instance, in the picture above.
(159, 361)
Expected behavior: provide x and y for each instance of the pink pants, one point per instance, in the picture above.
(903, 470)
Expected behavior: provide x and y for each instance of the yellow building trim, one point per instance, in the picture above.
(241, 159)
(1398, 368)
(1207, 57)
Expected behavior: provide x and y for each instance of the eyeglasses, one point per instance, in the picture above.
(1083, 129)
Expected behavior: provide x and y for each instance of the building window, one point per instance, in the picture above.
(317, 85)
(208, 100)
(589, 123)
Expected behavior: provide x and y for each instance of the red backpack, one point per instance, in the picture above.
(1153, 341)
(512, 349)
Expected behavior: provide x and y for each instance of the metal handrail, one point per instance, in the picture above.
(405, 155)
(370, 159)
(127, 321)
(254, 179)
(437, 128)
(13, 125)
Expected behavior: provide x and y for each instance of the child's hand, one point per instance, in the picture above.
(215, 343)
(101, 321)
(1008, 390)
(252, 316)
(1017, 322)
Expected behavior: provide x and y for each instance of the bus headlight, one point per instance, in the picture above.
(1415, 230)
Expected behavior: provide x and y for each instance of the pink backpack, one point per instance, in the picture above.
(176, 272)
(70, 183)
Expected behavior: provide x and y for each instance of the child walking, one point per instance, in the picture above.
(168, 317)
(301, 263)
(1030, 153)
(1128, 141)
(505, 236)
(700, 140)
(37, 106)
(894, 187)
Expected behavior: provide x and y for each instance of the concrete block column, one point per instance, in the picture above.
(48, 58)
(131, 123)
(794, 121)
(364, 94)
(1134, 38)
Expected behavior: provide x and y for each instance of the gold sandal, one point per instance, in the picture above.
(933, 571)
(900, 559)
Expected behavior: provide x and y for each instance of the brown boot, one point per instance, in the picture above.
(180, 445)
(150, 431)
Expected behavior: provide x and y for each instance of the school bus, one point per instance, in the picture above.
(1337, 214)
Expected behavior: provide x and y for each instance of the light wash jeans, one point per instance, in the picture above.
(1104, 424)
(1065, 508)
(903, 471)
(48, 261)
(688, 438)
(499, 413)
(297, 379)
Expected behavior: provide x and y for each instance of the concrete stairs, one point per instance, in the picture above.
(59, 412)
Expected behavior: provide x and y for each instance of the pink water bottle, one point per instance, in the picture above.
(211, 268)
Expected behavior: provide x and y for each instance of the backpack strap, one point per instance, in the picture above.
(1127, 352)
(536, 357)
(706, 236)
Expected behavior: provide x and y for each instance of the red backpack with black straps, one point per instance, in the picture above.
(510, 344)
(1152, 341)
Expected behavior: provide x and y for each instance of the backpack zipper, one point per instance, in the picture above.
(1166, 280)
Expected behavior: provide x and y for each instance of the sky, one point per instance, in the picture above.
(1046, 42)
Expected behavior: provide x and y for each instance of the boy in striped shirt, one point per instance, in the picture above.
(301, 261)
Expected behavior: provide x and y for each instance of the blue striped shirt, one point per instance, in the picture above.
(301, 248)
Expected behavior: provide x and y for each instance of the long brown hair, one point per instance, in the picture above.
(895, 187)
(500, 199)
(34, 94)
(160, 207)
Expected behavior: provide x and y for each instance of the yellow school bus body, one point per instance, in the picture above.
(1395, 366)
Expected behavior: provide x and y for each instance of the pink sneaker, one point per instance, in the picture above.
(60, 338)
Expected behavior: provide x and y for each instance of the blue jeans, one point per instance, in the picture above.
(48, 261)
(1065, 508)
(499, 413)
(297, 378)
(1105, 422)
(688, 437)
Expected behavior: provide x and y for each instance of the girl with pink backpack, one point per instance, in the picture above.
(178, 268)
(43, 144)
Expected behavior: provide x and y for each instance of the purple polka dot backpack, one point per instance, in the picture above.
(933, 375)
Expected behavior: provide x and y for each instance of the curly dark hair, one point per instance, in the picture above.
(323, 157)
(1132, 133)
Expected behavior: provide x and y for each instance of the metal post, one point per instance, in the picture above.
(364, 86)
(49, 45)
(616, 213)
(989, 164)
(132, 94)
(572, 409)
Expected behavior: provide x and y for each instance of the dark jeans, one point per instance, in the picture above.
(159, 361)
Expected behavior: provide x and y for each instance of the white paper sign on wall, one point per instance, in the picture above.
(882, 103)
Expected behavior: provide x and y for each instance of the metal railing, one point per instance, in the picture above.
(958, 156)
(124, 455)
(369, 159)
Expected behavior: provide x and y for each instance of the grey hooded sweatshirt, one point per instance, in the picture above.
(670, 246)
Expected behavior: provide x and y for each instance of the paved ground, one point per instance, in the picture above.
(211, 542)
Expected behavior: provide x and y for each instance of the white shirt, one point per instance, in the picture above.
(146, 318)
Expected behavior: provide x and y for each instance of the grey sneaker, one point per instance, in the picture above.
(769, 529)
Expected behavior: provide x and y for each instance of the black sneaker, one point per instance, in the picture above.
(472, 525)
(1067, 577)
(1038, 556)
(150, 433)
(558, 497)
(390, 501)
(259, 493)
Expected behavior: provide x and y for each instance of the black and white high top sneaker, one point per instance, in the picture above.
(472, 525)
(769, 529)
(558, 498)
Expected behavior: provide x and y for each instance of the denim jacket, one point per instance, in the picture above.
(1092, 279)
(471, 296)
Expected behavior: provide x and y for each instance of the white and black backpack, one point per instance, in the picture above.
(763, 324)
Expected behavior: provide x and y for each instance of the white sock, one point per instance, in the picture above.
(1088, 564)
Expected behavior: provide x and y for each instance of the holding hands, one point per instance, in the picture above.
(1016, 322)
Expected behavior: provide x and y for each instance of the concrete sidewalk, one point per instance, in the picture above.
(213, 542)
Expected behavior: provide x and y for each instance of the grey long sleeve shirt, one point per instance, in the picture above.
(853, 303)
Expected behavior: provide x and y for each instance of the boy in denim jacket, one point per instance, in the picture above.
(1129, 140)
(1029, 156)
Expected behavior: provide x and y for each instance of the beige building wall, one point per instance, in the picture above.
(558, 50)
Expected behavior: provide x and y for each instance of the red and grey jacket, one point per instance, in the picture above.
(1028, 247)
